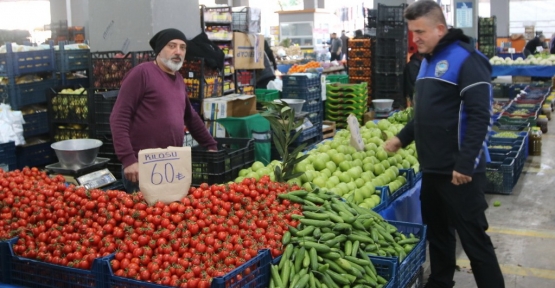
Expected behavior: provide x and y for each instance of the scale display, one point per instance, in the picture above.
(96, 179)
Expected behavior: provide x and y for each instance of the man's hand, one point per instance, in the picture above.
(132, 172)
(459, 179)
(393, 144)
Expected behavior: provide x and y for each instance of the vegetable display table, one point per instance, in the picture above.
(523, 70)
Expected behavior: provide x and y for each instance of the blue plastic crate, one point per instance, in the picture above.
(313, 106)
(308, 94)
(14, 64)
(414, 260)
(7, 155)
(384, 192)
(33, 273)
(79, 82)
(27, 94)
(308, 134)
(35, 124)
(405, 187)
(387, 268)
(72, 60)
(300, 80)
(316, 117)
(500, 177)
(35, 155)
(259, 275)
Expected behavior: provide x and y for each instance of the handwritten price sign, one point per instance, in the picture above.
(165, 174)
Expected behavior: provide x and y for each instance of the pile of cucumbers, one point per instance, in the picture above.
(332, 243)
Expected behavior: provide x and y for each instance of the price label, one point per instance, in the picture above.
(511, 50)
(539, 49)
(165, 174)
(356, 137)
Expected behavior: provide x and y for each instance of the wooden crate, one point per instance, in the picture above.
(328, 129)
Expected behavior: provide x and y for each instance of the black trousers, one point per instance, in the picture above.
(446, 208)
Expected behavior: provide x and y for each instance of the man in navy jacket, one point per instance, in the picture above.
(452, 118)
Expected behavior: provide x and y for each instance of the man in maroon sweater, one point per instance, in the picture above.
(151, 106)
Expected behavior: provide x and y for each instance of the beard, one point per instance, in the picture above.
(173, 66)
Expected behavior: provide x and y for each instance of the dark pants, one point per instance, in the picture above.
(334, 56)
(446, 208)
(129, 186)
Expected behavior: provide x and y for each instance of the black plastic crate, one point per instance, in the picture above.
(35, 155)
(69, 108)
(243, 21)
(387, 83)
(72, 60)
(35, 124)
(27, 94)
(109, 68)
(223, 165)
(397, 96)
(84, 82)
(501, 177)
(70, 131)
(7, 155)
(392, 31)
(115, 168)
(316, 117)
(391, 47)
(390, 64)
(391, 13)
(309, 134)
(103, 104)
(14, 64)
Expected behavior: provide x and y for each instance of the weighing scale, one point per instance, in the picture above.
(382, 113)
(92, 176)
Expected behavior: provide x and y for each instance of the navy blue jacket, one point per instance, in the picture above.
(452, 108)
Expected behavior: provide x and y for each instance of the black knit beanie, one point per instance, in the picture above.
(162, 38)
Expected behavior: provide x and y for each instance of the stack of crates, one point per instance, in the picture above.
(307, 87)
(69, 113)
(359, 61)
(73, 66)
(390, 54)
(30, 75)
(345, 99)
(109, 68)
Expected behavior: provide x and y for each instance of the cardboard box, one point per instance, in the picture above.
(234, 105)
(369, 116)
(249, 51)
(522, 79)
(216, 129)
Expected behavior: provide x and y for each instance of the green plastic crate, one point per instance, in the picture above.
(337, 79)
(265, 95)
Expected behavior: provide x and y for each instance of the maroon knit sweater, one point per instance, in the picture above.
(149, 113)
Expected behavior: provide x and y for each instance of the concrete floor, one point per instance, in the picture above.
(523, 227)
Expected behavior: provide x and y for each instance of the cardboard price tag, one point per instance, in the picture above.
(165, 174)
(356, 137)
(323, 86)
(511, 50)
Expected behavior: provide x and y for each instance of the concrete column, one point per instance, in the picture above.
(114, 25)
(240, 3)
(57, 10)
(314, 4)
(473, 30)
(500, 9)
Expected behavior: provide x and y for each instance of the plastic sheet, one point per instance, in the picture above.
(406, 208)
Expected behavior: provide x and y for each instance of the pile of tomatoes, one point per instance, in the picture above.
(207, 234)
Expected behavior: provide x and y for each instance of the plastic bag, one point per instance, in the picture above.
(11, 125)
(275, 85)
